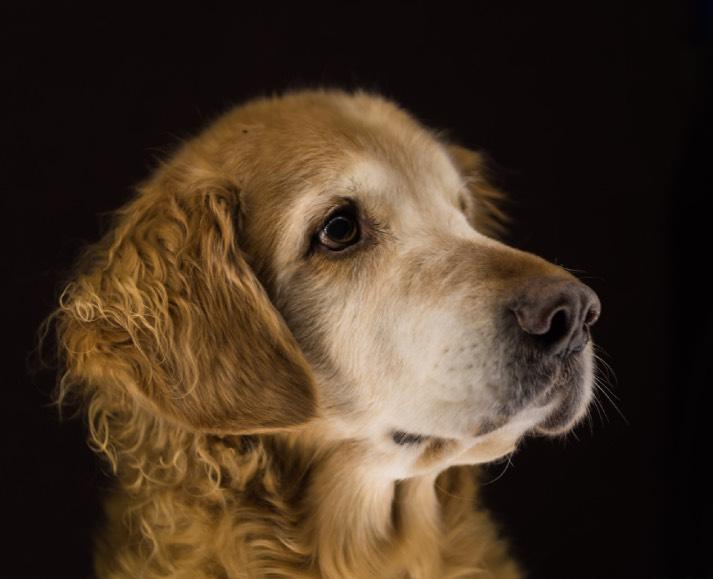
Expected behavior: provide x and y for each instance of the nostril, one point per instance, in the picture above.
(559, 329)
(548, 326)
(556, 314)
(591, 317)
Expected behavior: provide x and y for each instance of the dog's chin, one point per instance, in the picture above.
(570, 401)
(558, 401)
(562, 387)
(558, 424)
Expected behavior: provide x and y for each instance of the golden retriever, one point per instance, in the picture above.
(297, 340)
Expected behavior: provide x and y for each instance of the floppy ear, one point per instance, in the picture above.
(483, 205)
(167, 311)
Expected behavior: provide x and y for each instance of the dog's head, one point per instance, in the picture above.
(323, 259)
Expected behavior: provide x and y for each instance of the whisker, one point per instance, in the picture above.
(601, 412)
(610, 398)
(497, 478)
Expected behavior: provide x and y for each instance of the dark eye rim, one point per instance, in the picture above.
(348, 212)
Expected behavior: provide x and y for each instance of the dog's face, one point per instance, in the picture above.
(321, 261)
(426, 337)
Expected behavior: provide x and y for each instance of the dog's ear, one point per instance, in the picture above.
(483, 203)
(167, 311)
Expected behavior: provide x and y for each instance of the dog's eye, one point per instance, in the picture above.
(340, 231)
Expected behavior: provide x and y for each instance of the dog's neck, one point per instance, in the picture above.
(362, 522)
(290, 502)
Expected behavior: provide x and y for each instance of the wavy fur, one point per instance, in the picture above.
(203, 405)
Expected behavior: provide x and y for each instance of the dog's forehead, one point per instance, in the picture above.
(304, 148)
(319, 137)
(376, 152)
(418, 176)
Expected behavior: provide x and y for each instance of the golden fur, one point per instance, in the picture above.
(184, 335)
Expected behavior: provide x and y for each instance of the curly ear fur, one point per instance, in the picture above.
(165, 311)
(483, 206)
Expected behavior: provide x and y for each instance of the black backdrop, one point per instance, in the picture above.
(595, 115)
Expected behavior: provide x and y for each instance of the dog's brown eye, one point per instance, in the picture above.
(340, 232)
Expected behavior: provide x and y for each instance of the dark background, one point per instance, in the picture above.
(596, 117)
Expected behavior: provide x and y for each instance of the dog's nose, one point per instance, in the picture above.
(557, 313)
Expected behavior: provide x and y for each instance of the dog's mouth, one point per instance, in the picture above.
(403, 438)
(570, 405)
(554, 397)
(569, 395)
(560, 385)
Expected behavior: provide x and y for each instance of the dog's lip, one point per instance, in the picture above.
(484, 428)
(562, 418)
(403, 438)
(563, 396)
(568, 404)
(487, 426)
(555, 411)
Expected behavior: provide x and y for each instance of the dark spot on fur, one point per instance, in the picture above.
(405, 438)
(246, 444)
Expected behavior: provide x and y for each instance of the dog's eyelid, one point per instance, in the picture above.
(345, 205)
(321, 215)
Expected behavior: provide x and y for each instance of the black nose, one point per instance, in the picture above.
(557, 313)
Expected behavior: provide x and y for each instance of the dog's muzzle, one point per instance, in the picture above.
(547, 328)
